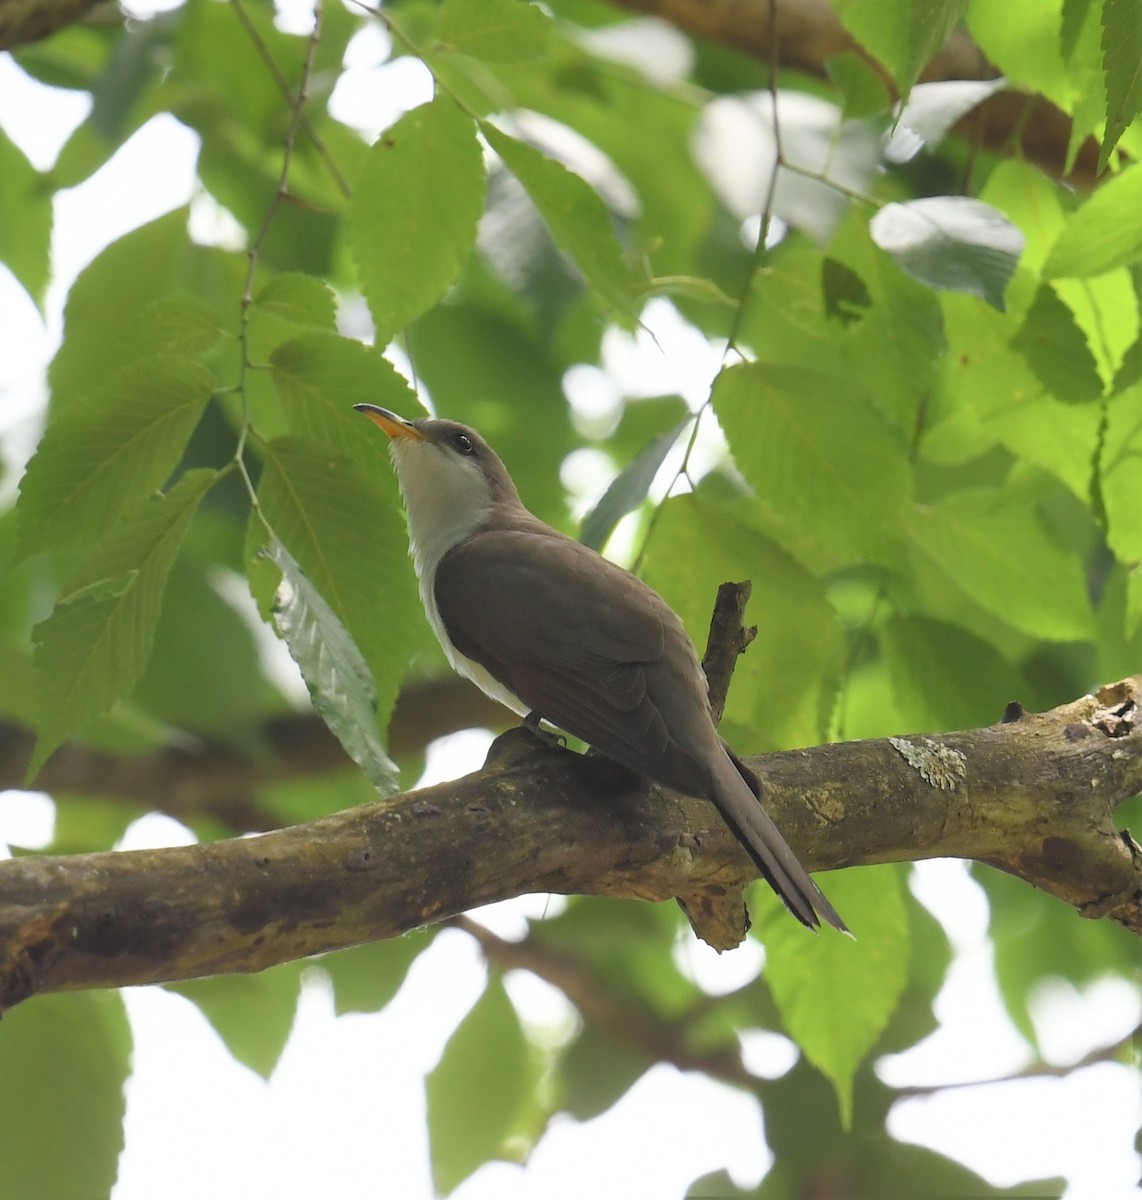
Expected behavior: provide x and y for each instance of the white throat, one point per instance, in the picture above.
(447, 499)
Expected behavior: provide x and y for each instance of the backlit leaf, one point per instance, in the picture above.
(1001, 556)
(1103, 233)
(93, 648)
(575, 214)
(829, 471)
(412, 220)
(494, 30)
(106, 455)
(836, 995)
(489, 1050)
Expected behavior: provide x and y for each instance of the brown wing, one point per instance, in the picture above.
(584, 644)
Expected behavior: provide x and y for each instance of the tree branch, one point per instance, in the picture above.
(1034, 795)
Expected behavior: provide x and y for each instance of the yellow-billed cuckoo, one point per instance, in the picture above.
(556, 632)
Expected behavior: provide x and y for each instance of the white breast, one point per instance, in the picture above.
(447, 499)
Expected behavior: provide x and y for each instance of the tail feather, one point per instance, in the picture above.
(736, 792)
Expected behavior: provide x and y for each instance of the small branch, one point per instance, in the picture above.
(728, 638)
(1115, 1052)
(605, 1007)
(1034, 796)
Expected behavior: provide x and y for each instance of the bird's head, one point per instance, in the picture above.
(450, 478)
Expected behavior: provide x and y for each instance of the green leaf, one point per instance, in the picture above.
(836, 995)
(102, 457)
(477, 1090)
(1103, 233)
(785, 683)
(995, 396)
(333, 669)
(320, 376)
(365, 978)
(298, 299)
(952, 243)
(862, 90)
(140, 268)
(64, 1060)
(575, 214)
(1122, 62)
(831, 475)
(494, 30)
(903, 36)
(172, 325)
(25, 219)
(628, 489)
(945, 677)
(93, 648)
(1057, 349)
(415, 208)
(1003, 559)
(1120, 468)
(252, 1014)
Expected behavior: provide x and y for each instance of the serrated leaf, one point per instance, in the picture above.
(903, 36)
(302, 300)
(25, 219)
(140, 268)
(1057, 349)
(99, 458)
(174, 325)
(1103, 234)
(252, 1014)
(836, 995)
(334, 670)
(826, 466)
(494, 30)
(628, 489)
(1120, 468)
(414, 212)
(93, 648)
(64, 1060)
(574, 213)
(1122, 63)
(1003, 559)
(487, 1057)
(945, 677)
(952, 243)
(320, 376)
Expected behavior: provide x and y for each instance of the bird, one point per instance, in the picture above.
(558, 633)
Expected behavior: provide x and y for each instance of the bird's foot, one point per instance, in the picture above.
(554, 741)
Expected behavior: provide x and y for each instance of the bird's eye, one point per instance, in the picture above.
(463, 443)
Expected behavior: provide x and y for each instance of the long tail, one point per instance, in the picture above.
(734, 789)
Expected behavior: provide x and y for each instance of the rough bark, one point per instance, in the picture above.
(1033, 795)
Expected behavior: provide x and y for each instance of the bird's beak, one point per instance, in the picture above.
(393, 425)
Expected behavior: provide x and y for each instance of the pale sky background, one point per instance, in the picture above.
(343, 1113)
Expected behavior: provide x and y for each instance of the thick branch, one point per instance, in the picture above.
(1034, 795)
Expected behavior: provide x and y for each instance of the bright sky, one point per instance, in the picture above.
(343, 1114)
